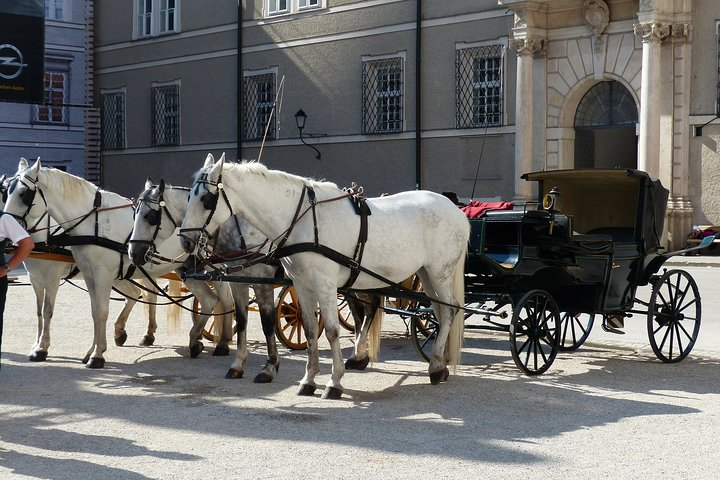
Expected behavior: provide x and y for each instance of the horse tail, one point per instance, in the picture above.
(374, 333)
(173, 309)
(457, 329)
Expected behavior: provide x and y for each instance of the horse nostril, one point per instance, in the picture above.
(186, 245)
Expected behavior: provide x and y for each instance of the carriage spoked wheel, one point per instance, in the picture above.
(534, 331)
(574, 330)
(673, 317)
(423, 332)
(289, 326)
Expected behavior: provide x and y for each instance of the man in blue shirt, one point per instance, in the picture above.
(11, 230)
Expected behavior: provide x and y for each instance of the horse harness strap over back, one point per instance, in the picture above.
(64, 239)
(354, 194)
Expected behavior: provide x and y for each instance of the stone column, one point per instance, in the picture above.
(652, 35)
(526, 49)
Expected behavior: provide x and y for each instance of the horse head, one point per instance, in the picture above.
(156, 217)
(208, 207)
(21, 197)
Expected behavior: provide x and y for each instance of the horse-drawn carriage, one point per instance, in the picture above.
(541, 272)
(579, 251)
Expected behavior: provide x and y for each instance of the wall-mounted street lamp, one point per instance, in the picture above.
(300, 119)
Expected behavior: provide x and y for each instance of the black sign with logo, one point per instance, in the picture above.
(22, 58)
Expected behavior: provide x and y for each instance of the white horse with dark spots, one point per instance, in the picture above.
(318, 237)
(158, 214)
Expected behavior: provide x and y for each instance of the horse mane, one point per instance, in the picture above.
(277, 176)
(73, 186)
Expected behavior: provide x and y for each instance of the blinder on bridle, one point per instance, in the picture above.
(210, 202)
(27, 196)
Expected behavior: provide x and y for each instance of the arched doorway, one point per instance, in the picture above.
(605, 127)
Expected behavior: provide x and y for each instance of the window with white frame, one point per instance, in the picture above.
(57, 9)
(166, 114)
(479, 86)
(284, 7)
(383, 83)
(113, 119)
(54, 110)
(259, 91)
(156, 17)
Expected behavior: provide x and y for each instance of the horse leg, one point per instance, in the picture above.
(131, 293)
(240, 293)
(208, 300)
(449, 337)
(357, 305)
(268, 317)
(329, 312)
(99, 289)
(38, 286)
(310, 326)
(150, 308)
(222, 348)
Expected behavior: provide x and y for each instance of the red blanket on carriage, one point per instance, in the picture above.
(476, 209)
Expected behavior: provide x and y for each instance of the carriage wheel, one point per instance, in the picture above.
(208, 332)
(344, 314)
(574, 330)
(674, 315)
(289, 326)
(423, 332)
(534, 330)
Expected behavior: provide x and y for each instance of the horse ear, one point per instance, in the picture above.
(36, 167)
(149, 183)
(209, 160)
(216, 170)
(161, 186)
(22, 164)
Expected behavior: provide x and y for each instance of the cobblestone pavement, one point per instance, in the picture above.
(610, 409)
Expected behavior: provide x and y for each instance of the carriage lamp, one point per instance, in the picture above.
(300, 119)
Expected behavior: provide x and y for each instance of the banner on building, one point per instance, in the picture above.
(22, 51)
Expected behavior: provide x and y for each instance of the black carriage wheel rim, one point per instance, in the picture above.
(669, 316)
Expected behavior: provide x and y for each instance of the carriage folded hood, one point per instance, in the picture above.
(609, 199)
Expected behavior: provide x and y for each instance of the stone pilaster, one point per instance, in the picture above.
(651, 95)
(527, 49)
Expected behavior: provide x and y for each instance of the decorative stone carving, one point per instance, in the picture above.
(528, 46)
(652, 32)
(520, 19)
(680, 31)
(597, 16)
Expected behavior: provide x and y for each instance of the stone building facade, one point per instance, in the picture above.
(461, 96)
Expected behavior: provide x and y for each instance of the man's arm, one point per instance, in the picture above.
(24, 247)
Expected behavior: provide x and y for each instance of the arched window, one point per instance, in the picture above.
(605, 104)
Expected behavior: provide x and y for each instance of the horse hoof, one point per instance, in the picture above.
(307, 390)
(439, 376)
(233, 374)
(86, 359)
(355, 364)
(39, 356)
(148, 341)
(96, 363)
(196, 349)
(221, 351)
(263, 377)
(332, 393)
(120, 339)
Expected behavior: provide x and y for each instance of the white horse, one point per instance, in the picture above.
(46, 277)
(97, 223)
(158, 213)
(311, 221)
